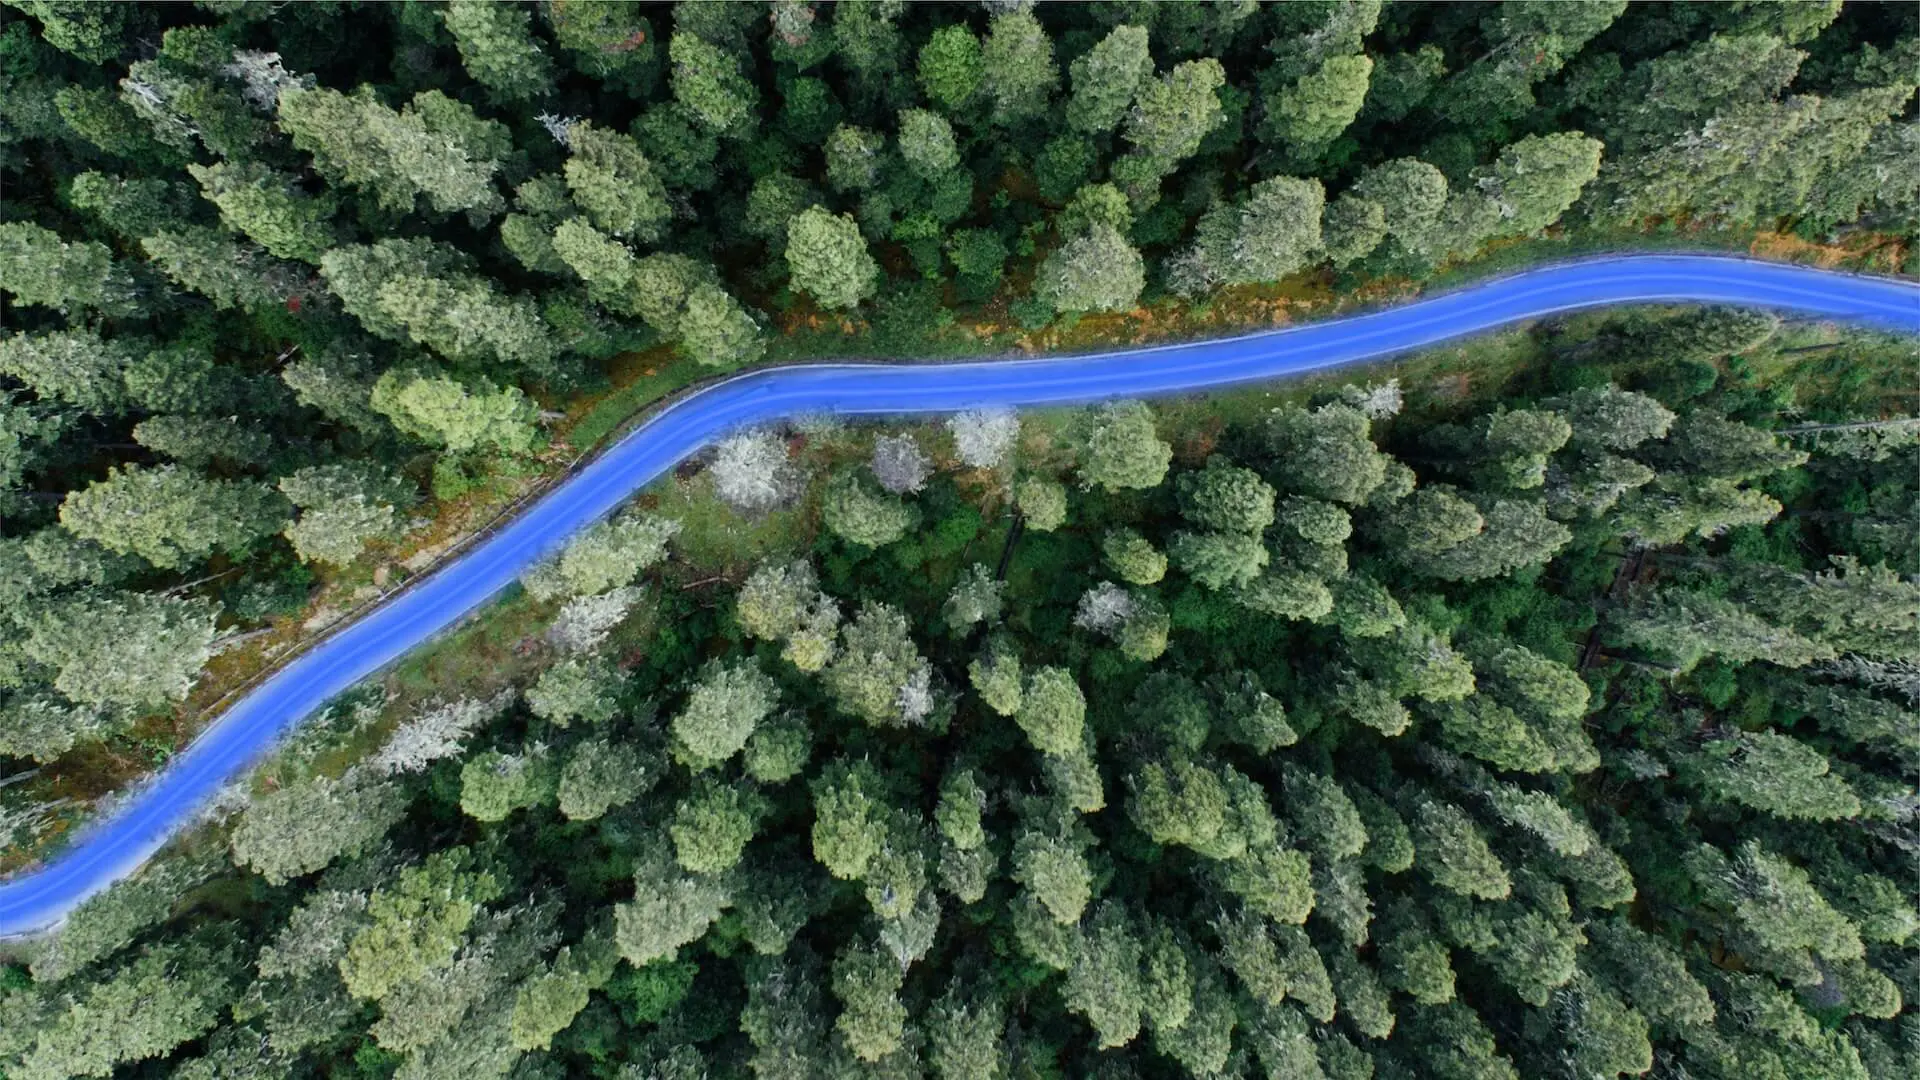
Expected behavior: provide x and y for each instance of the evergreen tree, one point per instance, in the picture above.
(829, 260)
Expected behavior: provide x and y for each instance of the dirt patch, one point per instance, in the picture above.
(1863, 250)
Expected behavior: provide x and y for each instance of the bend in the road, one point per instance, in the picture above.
(143, 821)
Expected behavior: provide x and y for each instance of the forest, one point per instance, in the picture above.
(1546, 706)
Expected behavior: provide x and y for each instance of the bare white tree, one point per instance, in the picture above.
(585, 621)
(1103, 609)
(437, 733)
(751, 472)
(899, 464)
(263, 77)
(560, 127)
(983, 436)
(1377, 402)
(915, 698)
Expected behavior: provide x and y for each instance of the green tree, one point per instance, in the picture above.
(964, 1034)
(1305, 116)
(722, 710)
(1095, 205)
(855, 509)
(268, 208)
(1224, 497)
(828, 259)
(1532, 183)
(1684, 627)
(1052, 711)
(784, 603)
(613, 42)
(706, 80)
(614, 183)
(926, 142)
(231, 273)
(1063, 166)
(417, 923)
(1054, 872)
(878, 675)
(1106, 78)
(547, 1003)
(497, 50)
(94, 35)
(75, 368)
(1452, 1043)
(294, 830)
(448, 412)
(1774, 774)
(342, 508)
(682, 152)
(854, 156)
(976, 598)
(1413, 959)
(1324, 818)
(1017, 71)
(601, 774)
(185, 95)
(111, 920)
(712, 824)
(670, 908)
(1452, 851)
(1782, 922)
(717, 331)
(495, 784)
(1203, 1044)
(201, 441)
(434, 146)
(1272, 234)
(778, 751)
(1610, 418)
(356, 274)
(776, 199)
(1651, 974)
(1133, 557)
(1176, 112)
(1178, 803)
(1221, 560)
(951, 67)
(40, 268)
(1314, 32)
(849, 819)
(1042, 502)
(576, 689)
(606, 555)
(1123, 450)
(1104, 984)
(469, 321)
(995, 675)
(1713, 446)
(1411, 194)
(872, 1017)
(1351, 228)
(1097, 270)
(168, 995)
(171, 517)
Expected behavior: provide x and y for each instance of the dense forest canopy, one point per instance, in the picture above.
(1551, 715)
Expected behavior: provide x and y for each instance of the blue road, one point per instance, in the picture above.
(143, 821)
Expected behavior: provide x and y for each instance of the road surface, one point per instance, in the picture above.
(117, 844)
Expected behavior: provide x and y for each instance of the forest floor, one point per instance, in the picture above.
(492, 650)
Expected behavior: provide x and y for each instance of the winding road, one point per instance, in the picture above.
(40, 897)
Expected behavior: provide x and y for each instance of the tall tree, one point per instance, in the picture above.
(828, 259)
